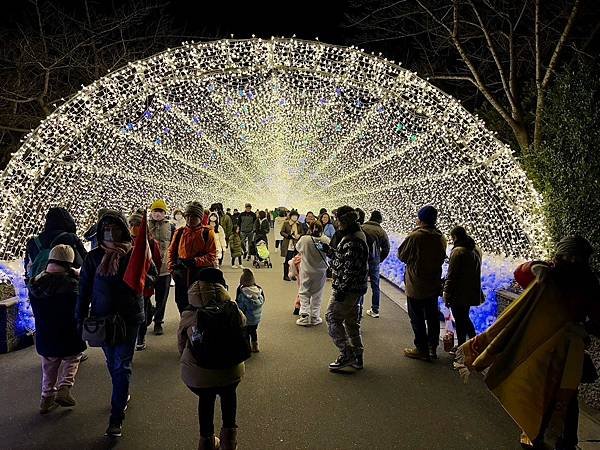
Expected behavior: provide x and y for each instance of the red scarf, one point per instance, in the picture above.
(113, 252)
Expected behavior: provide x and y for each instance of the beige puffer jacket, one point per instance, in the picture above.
(200, 293)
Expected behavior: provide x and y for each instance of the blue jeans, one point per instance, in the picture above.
(374, 280)
(119, 360)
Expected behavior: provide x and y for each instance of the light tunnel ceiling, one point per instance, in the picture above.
(273, 122)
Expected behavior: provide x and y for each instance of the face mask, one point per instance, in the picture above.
(178, 217)
(158, 215)
(112, 234)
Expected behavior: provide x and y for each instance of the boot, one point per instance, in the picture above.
(209, 443)
(228, 438)
(47, 404)
(64, 397)
(254, 347)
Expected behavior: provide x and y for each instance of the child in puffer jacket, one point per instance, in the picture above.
(250, 299)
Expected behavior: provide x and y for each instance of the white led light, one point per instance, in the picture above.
(274, 122)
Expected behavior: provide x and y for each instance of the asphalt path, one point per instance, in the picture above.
(287, 400)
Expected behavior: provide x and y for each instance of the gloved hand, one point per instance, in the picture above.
(188, 263)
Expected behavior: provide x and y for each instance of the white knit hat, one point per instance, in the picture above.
(62, 253)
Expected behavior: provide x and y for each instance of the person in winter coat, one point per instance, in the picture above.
(235, 218)
(192, 249)
(207, 384)
(135, 222)
(350, 271)
(162, 231)
(328, 228)
(308, 220)
(227, 224)
(462, 288)
(247, 220)
(250, 299)
(262, 228)
(53, 296)
(90, 234)
(379, 249)
(279, 221)
(178, 219)
(104, 293)
(312, 275)
(58, 229)
(291, 232)
(236, 249)
(424, 251)
(220, 238)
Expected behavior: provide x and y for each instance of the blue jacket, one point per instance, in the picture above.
(250, 300)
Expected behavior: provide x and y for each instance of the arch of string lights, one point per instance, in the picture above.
(273, 122)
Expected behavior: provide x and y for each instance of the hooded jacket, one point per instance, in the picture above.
(423, 251)
(378, 242)
(463, 280)
(202, 293)
(58, 220)
(190, 243)
(250, 300)
(246, 221)
(53, 298)
(235, 245)
(107, 295)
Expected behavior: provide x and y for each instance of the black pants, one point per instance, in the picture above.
(464, 326)
(144, 325)
(206, 407)
(568, 440)
(184, 278)
(251, 333)
(239, 258)
(161, 294)
(425, 320)
(286, 267)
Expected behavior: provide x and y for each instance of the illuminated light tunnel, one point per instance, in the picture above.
(274, 122)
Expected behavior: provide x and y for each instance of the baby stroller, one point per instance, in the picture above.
(262, 255)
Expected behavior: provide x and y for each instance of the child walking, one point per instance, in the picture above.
(250, 299)
(235, 245)
(53, 296)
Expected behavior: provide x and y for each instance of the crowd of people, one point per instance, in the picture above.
(104, 297)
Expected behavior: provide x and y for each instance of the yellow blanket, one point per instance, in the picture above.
(533, 355)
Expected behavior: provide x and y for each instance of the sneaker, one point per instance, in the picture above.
(84, 357)
(158, 329)
(316, 320)
(296, 312)
(140, 347)
(372, 313)
(47, 404)
(414, 353)
(254, 347)
(304, 321)
(341, 362)
(358, 362)
(64, 397)
(287, 279)
(114, 430)
(235, 266)
(453, 351)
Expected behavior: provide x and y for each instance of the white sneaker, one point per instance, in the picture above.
(304, 321)
(235, 266)
(316, 321)
(372, 313)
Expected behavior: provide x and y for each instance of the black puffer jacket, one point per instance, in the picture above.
(350, 268)
(53, 297)
(108, 295)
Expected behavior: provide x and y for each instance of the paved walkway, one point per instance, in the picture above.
(288, 399)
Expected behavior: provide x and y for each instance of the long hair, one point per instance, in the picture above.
(218, 223)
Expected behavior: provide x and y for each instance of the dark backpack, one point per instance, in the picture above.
(39, 263)
(218, 340)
